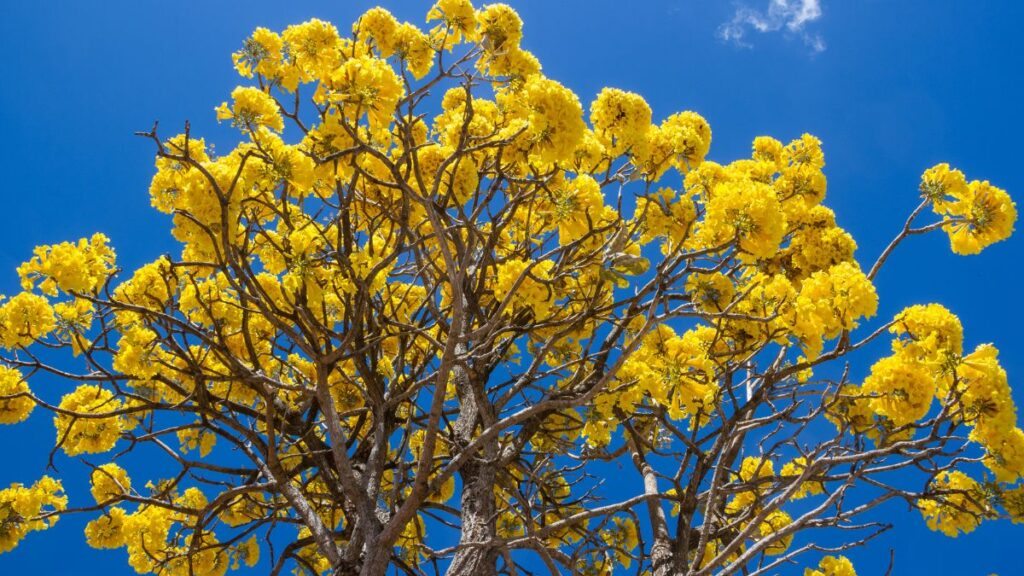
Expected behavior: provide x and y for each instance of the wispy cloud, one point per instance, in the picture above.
(788, 16)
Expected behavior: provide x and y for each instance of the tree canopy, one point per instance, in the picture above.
(428, 302)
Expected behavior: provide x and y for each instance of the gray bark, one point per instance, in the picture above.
(476, 556)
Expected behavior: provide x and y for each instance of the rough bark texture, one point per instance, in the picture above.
(475, 557)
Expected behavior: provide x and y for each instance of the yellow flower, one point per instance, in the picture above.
(509, 525)
(262, 53)
(314, 48)
(138, 352)
(578, 208)
(831, 301)
(832, 566)
(15, 404)
(379, 26)
(457, 16)
(107, 531)
(249, 551)
(983, 390)
(976, 214)
(805, 151)
(251, 108)
(983, 216)
(82, 267)
(22, 508)
(816, 243)
(756, 468)
(958, 505)
(555, 119)
(801, 187)
(901, 389)
(689, 136)
(109, 482)
(621, 120)
(515, 65)
(193, 439)
(931, 333)
(665, 214)
(1004, 451)
(745, 211)
(940, 182)
(533, 292)
(776, 521)
(621, 538)
(84, 425)
(711, 292)
(795, 468)
(851, 408)
(768, 149)
(367, 86)
(288, 163)
(243, 509)
(150, 286)
(674, 371)
(413, 47)
(499, 28)
(25, 318)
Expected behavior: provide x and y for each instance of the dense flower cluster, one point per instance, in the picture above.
(85, 424)
(81, 267)
(15, 401)
(832, 566)
(25, 509)
(975, 214)
(961, 508)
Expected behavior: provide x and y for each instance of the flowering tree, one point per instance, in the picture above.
(413, 332)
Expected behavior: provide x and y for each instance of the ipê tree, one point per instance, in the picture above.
(411, 333)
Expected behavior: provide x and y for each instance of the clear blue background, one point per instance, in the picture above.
(901, 86)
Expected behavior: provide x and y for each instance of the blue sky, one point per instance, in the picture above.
(891, 87)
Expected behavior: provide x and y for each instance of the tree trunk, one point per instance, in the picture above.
(475, 556)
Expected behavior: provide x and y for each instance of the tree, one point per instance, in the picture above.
(416, 335)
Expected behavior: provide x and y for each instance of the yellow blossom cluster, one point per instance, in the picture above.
(25, 509)
(525, 285)
(901, 390)
(976, 213)
(712, 292)
(109, 482)
(961, 508)
(756, 476)
(831, 302)
(622, 538)
(748, 212)
(250, 109)
(148, 535)
(15, 397)
(87, 421)
(621, 120)
(82, 267)
(25, 318)
(928, 364)
(832, 566)
(795, 469)
(665, 214)
(458, 20)
(929, 352)
(577, 207)
(673, 371)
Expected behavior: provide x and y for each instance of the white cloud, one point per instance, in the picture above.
(791, 15)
